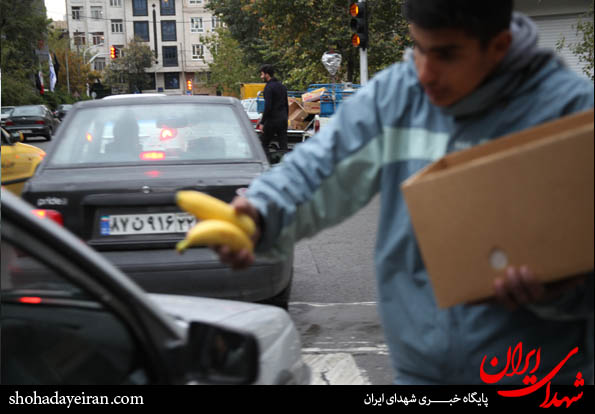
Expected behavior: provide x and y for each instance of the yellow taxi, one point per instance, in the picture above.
(19, 161)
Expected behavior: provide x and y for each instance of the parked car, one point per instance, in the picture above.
(63, 110)
(19, 161)
(250, 108)
(113, 173)
(32, 121)
(6, 110)
(70, 317)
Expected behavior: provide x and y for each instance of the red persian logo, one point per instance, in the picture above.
(514, 360)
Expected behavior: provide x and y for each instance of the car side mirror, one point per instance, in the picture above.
(17, 136)
(218, 355)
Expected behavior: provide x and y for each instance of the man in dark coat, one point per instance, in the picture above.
(274, 117)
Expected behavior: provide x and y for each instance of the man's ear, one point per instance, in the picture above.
(500, 44)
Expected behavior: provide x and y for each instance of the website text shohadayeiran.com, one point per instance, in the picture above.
(56, 398)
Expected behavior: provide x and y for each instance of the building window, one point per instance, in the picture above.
(203, 77)
(170, 55)
(171, 80)
(194, 1)
(198, 52)
(167, 7)
(117, 26)
(79, 38)
(115, 3)
(139, 8)
(99, 64)
(168, 30)
(215, 22)
(96, 12)
(141, 29)
(98, 38)
(196, 24)
(76, 13)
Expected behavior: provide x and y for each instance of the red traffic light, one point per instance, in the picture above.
(354, 9)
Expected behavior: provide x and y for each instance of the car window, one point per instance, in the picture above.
(55, 333)
(151, 133)
(6, 111)
(27, 110)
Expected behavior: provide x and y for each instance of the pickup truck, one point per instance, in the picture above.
(329, 100)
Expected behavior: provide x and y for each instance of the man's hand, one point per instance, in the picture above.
(520, 287)
(243, 258)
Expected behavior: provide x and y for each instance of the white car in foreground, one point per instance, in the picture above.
(70, 317)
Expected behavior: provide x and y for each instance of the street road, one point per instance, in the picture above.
(333, 301)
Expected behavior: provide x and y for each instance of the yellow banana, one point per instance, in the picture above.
(206, 207)
(215, 232)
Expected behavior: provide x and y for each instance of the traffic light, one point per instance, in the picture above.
(114, 52)
(189, 85)
(359, 24)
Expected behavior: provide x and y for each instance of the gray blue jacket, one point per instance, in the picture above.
(382, 135)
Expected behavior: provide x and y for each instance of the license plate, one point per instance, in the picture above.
(26, 131)
(129, 224)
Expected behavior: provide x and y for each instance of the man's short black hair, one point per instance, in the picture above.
(268, 69)
(478, 18)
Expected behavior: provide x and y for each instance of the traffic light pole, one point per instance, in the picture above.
(363, 66)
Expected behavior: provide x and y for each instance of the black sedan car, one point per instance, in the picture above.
(32, 121)
(113, 173)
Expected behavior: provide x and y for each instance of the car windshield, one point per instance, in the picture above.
(150, 133)
(27, 110)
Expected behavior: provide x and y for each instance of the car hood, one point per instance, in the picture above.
(31, 149)
(278, 339)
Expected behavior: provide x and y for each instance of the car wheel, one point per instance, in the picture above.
(281, 299)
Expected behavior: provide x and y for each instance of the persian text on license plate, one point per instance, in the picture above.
(125, 224)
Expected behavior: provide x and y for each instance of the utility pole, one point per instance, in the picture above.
(363, 53)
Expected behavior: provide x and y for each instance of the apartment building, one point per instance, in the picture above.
(171, 28)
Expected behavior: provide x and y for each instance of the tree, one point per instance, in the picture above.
(129, 70)
(228, 69)
(584, 47)
(79, 73)
(23, 29)
(294, 34)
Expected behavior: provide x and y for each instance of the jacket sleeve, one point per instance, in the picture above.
(323, 180)
(268, 96)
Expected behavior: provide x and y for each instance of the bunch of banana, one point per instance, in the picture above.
(219, 224)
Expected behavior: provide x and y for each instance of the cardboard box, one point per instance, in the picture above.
(299, 125)
(313, 95)
(524, 199)
(297, 112)
(312, 107)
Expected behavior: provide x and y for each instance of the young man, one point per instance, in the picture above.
(276, 109)
(476, 74)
